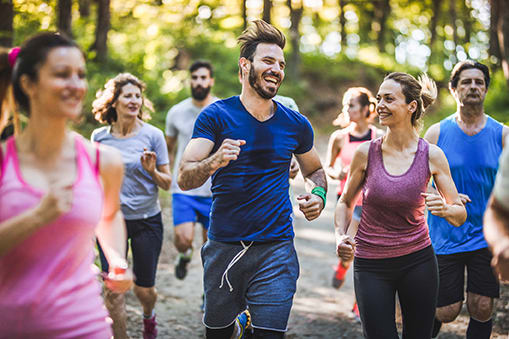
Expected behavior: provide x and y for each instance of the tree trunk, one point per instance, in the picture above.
(295, 17)
(100, 44)
(84, 8)
(503, 36)
(467, 21)
(244, 14)
(267, 7)
(434, 22)
(494, 48)
(382, 9)
(342, 24)
(64, 17)
(6, 18)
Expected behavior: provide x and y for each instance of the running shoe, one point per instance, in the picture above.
(181, 266)
(243, 321)
(339, 275)
(149, 328)
(355, 312)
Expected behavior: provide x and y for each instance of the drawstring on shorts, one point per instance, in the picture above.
(233, 262)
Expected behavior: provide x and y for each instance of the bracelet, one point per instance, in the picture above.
(320, 191)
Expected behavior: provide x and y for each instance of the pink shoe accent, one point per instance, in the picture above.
(149, 328)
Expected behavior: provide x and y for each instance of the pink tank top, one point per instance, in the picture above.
(392, 222)
(346, 156)
(48, 287)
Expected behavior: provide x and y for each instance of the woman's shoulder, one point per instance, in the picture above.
(109, 157)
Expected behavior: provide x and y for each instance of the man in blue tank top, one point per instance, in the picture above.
(246, 144)
(472, 142)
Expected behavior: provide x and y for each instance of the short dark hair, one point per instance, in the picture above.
(259, 32)
(468, 64)
(202, 64)
(32, 55)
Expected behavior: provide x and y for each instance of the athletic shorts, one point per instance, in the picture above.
(187, 208)
(263, 279)
(146, 237)
(480, 277)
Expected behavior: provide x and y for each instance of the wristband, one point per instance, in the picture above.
(320, 191)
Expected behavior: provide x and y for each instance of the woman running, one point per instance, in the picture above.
(145, 157)
(56, 191)
(358, 112)
(392, 247)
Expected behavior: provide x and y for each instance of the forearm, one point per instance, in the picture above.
(456, 214)
(316, 179)
(161, 179)
(496, 224)
(112, 235)
(14, 230)
(332, 172)
(342, 218)
(193, 174)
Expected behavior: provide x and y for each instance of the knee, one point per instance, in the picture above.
(481, 309)
(115, 302)
(447, 314)
(183, 240)
(145, 293)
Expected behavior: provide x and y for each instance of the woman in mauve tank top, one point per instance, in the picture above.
(356, 125)
(392, 248)
(57, 191)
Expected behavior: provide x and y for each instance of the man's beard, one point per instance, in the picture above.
(199, 93)
(253, 81)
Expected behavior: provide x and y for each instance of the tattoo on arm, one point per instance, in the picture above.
(193, 174)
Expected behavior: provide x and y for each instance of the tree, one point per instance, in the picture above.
(244, 14)
(267, 7)
(100, 44)
(452, 13)
(6, 18)
(503, 36)
(64, 16)
(382, 10)
(84, 8)
(494, 48)
(342, 23)
(295, 18)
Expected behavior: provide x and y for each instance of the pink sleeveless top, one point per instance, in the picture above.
(346, 156)
(392, 222)
(48, 287)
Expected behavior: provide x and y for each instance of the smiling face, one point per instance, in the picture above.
(471, 88)
(61, 85)
(266, 72)
(201, 83)
(129, 102)
(391, 105)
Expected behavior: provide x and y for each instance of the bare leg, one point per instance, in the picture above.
(184, 235)
(115, 303)
(147, 297)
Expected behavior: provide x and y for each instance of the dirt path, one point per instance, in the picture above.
(319, 311)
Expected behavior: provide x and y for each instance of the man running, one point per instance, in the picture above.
(246, 143)
(191, 206)
(472, 142)
(496, 220)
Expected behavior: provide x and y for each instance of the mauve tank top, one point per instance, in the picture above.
(48, 287)
(392, 222)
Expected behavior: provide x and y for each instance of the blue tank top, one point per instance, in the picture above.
(474, 163)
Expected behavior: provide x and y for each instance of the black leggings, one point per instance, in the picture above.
(414, 277)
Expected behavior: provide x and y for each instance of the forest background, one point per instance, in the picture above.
(332, 45)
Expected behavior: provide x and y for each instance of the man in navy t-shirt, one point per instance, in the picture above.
(246, 144)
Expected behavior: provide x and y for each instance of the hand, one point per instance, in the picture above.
(228, 151)
(148, 161)
(345, 247)
(294, 168)
(343, 173)
(435, 204)
(53, 204)
(464, 198)
(311, 205)
(500, 261)
(119, 280)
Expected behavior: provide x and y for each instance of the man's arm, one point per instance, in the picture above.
(314, 175)
(496, 232)
(197, 165)
(170, 144)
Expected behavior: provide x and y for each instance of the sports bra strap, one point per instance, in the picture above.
(97, 159)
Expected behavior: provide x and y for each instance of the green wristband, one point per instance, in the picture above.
(320, 191)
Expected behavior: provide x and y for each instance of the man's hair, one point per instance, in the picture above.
(468, 64)
(259, 32)
(202, 64)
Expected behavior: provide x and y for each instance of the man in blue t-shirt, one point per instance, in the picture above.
(246, 144)
(472, 142)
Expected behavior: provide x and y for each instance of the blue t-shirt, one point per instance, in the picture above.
(139, 194)
(250, 195)
(474, 163)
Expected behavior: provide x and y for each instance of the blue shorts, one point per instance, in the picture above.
(263, 279)
(188, 208)
(146, 240)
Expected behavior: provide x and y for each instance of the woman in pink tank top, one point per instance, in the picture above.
(392, 248)
(356, 121)
(57, 191)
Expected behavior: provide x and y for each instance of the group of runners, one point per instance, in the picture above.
(232, 161)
